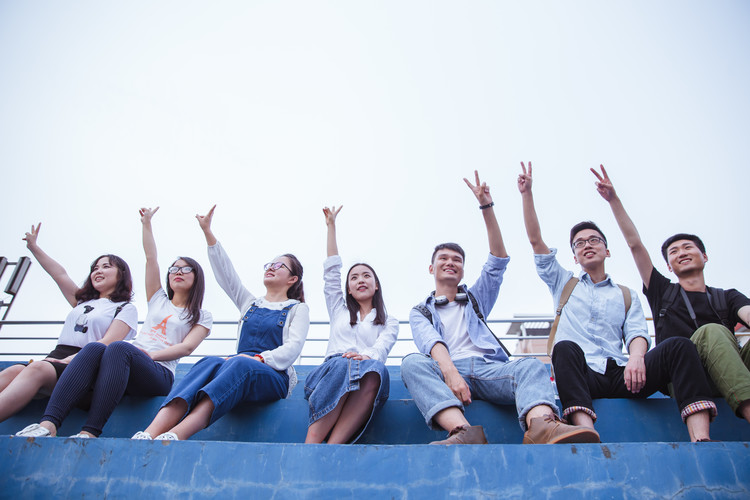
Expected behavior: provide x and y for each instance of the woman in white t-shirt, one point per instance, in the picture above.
(102, 313)
(174, 327)
(352, 382)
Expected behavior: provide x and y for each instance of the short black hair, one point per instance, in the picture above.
(450, 246)
(678, 237)
(587, 224)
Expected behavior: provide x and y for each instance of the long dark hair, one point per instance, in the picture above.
(296, 291)
(195, 297)
(123, 289)
(377, 300)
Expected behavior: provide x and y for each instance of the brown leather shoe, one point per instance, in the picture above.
(465, 434)
(550, 430)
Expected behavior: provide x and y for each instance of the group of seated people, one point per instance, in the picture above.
(99, 357)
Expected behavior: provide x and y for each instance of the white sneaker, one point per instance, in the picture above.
(33, 430)
(142, 435)
(167, 436)
(81, 435)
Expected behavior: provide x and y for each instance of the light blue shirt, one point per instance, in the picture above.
(485, 290)
(594, 316)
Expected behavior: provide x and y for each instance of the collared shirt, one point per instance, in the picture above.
(367, 338)
(594, 316)
(485, 290)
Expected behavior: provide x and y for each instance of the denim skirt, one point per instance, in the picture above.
(327, 384)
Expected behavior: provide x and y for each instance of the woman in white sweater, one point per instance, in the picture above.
(272, 332)
(352, 382)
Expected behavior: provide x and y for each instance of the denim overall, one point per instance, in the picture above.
(239, 379)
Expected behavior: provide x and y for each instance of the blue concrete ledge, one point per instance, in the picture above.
(119, 468)
(399, 421)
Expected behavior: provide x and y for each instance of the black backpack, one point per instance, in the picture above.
(717, 299)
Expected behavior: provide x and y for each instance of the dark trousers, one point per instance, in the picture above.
(110, 371)
(675, 360)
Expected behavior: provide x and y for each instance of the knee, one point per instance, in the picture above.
(565, 349)
(119, 349)
(414, 362)
(711, 333)
(92, 349)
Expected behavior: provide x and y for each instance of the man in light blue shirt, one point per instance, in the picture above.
(460, 358)
(595, 322)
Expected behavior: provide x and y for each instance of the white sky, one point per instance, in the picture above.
(274, 109)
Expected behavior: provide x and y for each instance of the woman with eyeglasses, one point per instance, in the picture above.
(352, 382)
(102, 314)
(175, 325)
(271, 334)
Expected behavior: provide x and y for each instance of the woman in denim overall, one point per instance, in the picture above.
(352, 383)
(272, 331)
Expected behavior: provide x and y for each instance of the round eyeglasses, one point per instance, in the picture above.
(593, 241)
(275, 266)
(183, 269)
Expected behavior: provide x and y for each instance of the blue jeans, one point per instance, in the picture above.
(229, 382)
(524, 382)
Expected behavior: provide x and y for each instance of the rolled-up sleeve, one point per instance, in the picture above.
(227, 277)
(425, 335)
(487, 286)
(552, 273)
(635, 322)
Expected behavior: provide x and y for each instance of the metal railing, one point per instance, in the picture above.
(222, 340)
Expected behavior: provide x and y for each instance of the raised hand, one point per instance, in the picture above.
(604, 185)
(481, 190)
(30, 238)
(205, 220)
(331, 213)
(146, 214)
(524, 179)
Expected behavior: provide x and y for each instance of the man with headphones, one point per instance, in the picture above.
(460, 358)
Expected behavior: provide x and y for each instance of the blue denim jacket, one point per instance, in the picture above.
(485, 290)
(594, 316)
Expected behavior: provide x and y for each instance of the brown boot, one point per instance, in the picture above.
(550, 430)
(465, 434)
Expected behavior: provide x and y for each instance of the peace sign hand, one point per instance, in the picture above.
(524, 179)
(604, 185)
(331, 213)
(481, 190)
(30, 238)
(147, 214)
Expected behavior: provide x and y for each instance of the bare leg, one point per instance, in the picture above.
(698, 424)
(539, 411)
(33, 378)
(196, 420)
(581, 418)
(450, 418)
(356, 409)
(168, 417)
(744, 409)
(7, 375)
(318, 430)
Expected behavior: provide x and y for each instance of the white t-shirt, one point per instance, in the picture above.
(166, 326)
(455, 331)
(90, 320)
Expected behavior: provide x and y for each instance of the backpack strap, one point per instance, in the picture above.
(666, 301)
(717, 298)
(425, 312)
(479, 314)
(117, 311)
(564, 296)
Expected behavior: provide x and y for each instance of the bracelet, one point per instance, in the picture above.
(261, 358)
(488, 205)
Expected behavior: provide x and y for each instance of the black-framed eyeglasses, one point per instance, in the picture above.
(275, 266)
(594, 240)
(176, 269)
